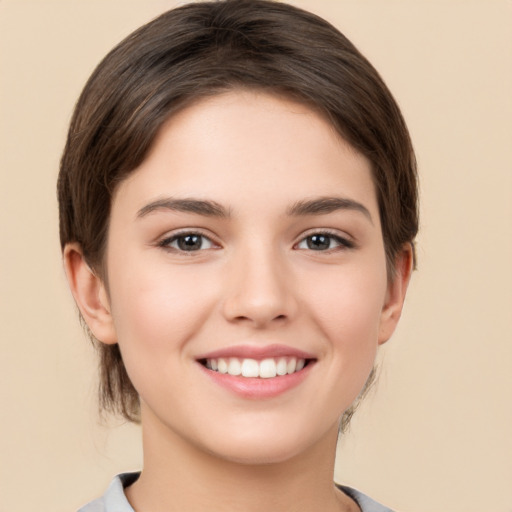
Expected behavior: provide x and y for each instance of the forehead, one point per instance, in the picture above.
(246, 147)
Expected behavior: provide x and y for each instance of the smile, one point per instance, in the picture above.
(251, 368)
(257, 372)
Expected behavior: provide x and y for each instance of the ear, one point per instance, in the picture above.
(395, 295)
(90, 294)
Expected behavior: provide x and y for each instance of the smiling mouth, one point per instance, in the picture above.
(252, 368)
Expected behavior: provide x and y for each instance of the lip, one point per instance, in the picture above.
(255, 388)
(257, 352)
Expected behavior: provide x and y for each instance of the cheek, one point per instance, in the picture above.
(348, 310)
(350, 321)
(156, 312)
(157, 308)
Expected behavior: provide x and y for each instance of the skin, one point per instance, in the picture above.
(255, 281)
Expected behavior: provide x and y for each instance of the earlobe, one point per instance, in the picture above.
(395, 296)
(90, 294)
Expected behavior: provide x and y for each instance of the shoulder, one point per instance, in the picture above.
(366, 504)
(114, 499)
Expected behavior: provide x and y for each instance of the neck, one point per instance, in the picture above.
(179, 476)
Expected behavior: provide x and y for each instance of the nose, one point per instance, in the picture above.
(259, 290)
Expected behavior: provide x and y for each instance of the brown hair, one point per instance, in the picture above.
(202, 49)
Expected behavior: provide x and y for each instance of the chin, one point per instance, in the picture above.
(258, 455)
(276, 447)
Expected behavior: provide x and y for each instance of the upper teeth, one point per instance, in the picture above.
(265, 369)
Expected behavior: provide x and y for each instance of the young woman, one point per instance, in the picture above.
(237, 213)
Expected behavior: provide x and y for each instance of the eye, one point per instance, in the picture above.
(187, 242)
(324, 242)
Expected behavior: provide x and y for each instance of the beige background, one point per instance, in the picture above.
(436, 434)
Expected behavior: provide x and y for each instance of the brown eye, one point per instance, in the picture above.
(324, 242)
(318, 242)
(187, 242)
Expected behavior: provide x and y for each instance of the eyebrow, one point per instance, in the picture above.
(191, 205)
(208, 208)
(325, 205)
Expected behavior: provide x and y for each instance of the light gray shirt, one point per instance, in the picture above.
(114, 499)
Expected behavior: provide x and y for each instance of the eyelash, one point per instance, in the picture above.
(166, 242)
(343, 243)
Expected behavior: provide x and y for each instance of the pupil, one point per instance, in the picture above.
(189, 242)
(318, 242)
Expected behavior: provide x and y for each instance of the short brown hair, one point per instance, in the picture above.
(206, 48)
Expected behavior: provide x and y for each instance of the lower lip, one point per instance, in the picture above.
(257, 388)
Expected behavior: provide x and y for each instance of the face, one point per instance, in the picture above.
(248, 241)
